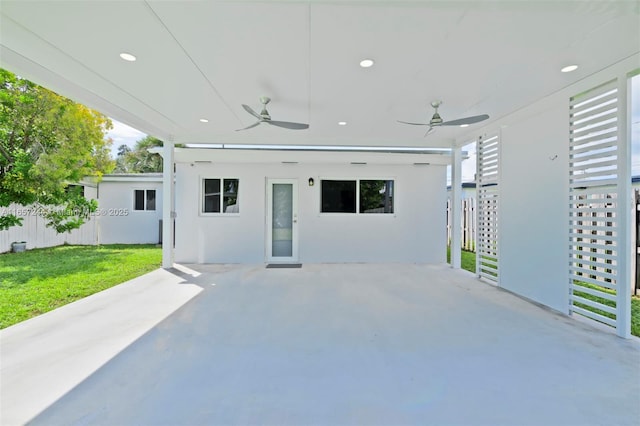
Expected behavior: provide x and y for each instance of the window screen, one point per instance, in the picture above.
(151, 199)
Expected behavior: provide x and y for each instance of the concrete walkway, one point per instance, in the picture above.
(324, 344)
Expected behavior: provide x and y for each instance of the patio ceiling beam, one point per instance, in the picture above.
(324, 148)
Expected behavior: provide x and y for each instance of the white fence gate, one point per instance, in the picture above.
(37, 235)
(467, 225)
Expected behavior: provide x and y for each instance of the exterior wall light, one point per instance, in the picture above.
(311, 181)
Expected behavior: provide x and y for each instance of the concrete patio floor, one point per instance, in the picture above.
(324, 344)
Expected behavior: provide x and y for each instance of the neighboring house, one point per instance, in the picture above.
(254, 207)
(129, 212)
(468, 190)
(129, 208)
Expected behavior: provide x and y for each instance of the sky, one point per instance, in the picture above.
(121, 134)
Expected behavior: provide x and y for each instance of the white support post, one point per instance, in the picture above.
(623, 302)
(168, 213)
(456, 206)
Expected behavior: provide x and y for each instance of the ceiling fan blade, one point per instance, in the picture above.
(431, 129)
(413, 124)
(288, 125)
(466, 120)
(250, 111)
(249, 127)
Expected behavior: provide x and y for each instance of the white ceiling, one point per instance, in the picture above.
(203, 59)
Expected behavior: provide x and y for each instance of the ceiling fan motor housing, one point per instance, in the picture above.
(265, 114)
(264, 100)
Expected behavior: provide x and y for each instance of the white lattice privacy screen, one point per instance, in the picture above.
(488, 173)
(594, 194)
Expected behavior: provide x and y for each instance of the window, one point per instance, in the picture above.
(144, 199)
(75, 189)
(361, 196)
(376, 196)
(220, 196)
(338, 196)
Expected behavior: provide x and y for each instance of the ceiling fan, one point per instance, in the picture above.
(264, 117)
(437, 121)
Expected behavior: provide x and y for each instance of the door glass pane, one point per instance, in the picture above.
(282, 225)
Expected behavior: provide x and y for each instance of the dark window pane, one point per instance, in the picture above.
(211, 196)
(151, 199)
(138, 199)
(376, 196)
(75, 189)
(338, 196)
(230, 198)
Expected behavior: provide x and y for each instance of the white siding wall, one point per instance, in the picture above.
(135, 227)
(416, 233)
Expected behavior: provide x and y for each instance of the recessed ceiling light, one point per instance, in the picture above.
(569, 68)
(464, 125)
(204, 120)
(342, 123)
(128, 57)
(366, 63)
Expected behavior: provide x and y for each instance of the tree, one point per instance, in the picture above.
(139, 160)
(48, 142)
(123, 150)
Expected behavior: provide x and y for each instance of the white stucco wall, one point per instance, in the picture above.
(415, 233)
(534, 207)
(534, 192)
(118, 222)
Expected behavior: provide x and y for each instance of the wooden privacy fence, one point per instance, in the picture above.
(468, 223)
(36, 234)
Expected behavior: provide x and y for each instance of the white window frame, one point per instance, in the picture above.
(357, 212)
(201, 211)
(145, 210)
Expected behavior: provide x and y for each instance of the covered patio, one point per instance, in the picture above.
(409, 343)
(543, 88)
(322, 344)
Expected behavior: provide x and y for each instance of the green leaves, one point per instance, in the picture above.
(46, 143)
(139, 160)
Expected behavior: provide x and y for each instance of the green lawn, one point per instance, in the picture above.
(37, 281)
(469, 263)
(468, 260)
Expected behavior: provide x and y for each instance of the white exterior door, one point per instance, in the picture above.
(282, 220)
